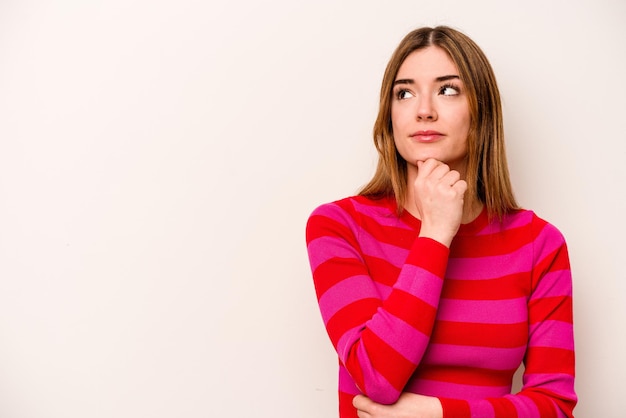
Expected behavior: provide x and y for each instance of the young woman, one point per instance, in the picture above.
(434, 286)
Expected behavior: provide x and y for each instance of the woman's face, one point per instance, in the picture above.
(430, 113)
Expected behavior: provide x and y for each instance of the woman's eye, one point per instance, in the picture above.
(404, 94)
(449, 91)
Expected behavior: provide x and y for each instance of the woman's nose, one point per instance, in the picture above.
(426, 110)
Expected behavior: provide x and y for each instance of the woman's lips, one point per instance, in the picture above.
(426, 136)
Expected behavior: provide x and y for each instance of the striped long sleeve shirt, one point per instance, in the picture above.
(407, 314)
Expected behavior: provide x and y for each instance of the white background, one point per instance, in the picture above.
(159, 159)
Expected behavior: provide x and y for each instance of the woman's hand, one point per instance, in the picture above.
(409, 405)
(439, 196)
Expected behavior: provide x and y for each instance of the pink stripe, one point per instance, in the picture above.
(347, 340)
(324, 248)
(493, 358)
(554, 334)
(383, 215)
(344, 293)
(455, 390)
(510, 222)
(346, 383)
(507, 311)
(525, 406)
(377, 387)
(337, 214)
(555, 283)
(420, 283)
(481, 268)
(402, 337)
(548, 240)
(383, 290)
(392, 254)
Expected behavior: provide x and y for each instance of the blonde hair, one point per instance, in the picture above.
(487, 170)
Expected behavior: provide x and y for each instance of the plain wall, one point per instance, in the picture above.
(159, 159)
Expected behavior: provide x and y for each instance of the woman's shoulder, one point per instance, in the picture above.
(541, 228)
(358, 204)
(354, 211)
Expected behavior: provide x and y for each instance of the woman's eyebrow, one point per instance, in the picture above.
(448, 77)
(438, 79)
(404, 81)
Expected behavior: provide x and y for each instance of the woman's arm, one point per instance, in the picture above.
(380, 338)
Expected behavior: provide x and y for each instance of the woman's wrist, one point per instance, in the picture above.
(437, 234)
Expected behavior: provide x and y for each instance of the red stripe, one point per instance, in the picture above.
(350, 316)
(473, 376)
(412, 310)
(346, 410)
(399, 237)
(333, 271)
(394, 367)
(554, 261)
(507, 287)
(549, 360)
(382, 271)
(503, 242)
(557, 308)
(480, 335)
(320, 226)
(430, 255)
(503, 408)
(455, 408)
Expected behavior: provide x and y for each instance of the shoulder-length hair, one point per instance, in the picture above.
(487, 171)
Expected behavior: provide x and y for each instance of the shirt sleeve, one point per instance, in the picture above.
(380, 340)
(548, 380)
